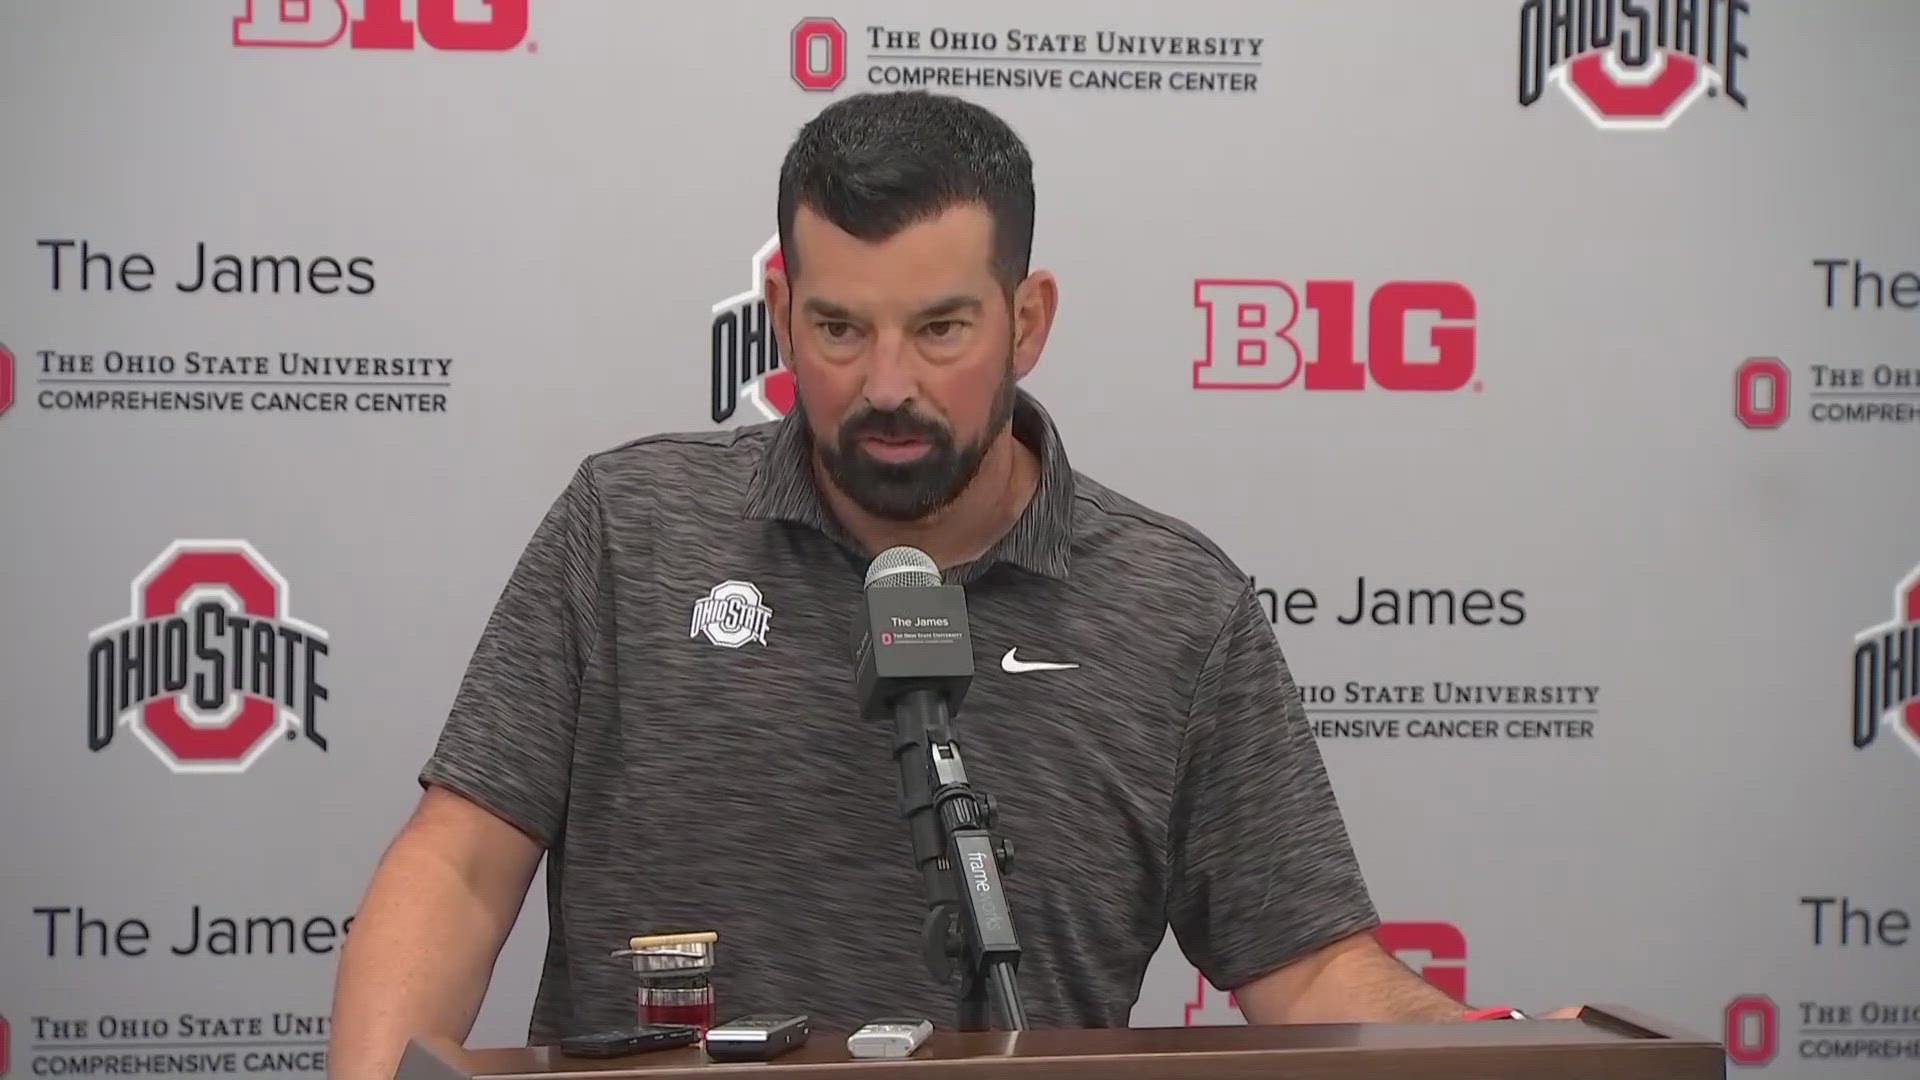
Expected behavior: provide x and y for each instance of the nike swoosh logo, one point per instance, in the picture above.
(1016, 665)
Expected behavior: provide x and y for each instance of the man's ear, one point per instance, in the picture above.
(1034, 302)
(779, 303)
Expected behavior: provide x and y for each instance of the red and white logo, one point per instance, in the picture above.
(209, 667)
(1886, 671)
(1752, 1035)
(1629, 65)
(1760, 386)
(6, 380)
(746, 355)
(1436, 950)
(1255, 341)
(818, 54)
(449, 25)
(1211, 1008)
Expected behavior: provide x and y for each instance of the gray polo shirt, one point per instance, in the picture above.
(663, 698)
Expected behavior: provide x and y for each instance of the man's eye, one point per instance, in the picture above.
(943, 327)
(836, 330)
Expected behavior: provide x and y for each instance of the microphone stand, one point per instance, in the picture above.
(960, 862)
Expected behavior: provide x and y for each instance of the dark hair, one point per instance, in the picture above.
(875, 163)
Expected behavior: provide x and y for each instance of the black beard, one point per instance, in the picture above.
(909, 491)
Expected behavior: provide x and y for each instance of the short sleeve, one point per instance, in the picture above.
(1262, 871)
(508, 741)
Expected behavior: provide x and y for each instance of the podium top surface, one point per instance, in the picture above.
(1603, 1041)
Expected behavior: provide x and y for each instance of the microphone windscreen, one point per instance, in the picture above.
(902, 566)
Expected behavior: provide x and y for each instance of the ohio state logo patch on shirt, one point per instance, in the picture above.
(731, 614)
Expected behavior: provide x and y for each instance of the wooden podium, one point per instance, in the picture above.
(1603, 1043)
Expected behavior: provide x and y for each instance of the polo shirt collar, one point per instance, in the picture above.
(783, 489)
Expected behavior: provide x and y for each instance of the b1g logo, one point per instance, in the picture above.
(452, 25)
(817, 55)
(1760, 387)
(1886, 671)
(209, 667)
(1254, 341)
(745, 354)
(1632, 65)
(1437, 951)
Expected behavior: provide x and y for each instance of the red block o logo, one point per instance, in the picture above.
(833, 70)
(1758, 1045)
(1758, 379)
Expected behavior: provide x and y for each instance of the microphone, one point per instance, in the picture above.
(911, 640)
(913, 662)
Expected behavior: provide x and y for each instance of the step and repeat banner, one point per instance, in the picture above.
(1549, 365)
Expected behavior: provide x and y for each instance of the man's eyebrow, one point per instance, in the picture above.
(827, 309)
(952, 305)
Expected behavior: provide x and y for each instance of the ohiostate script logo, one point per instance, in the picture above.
(1632, 65)
(1886, 671)
(209, 666)
(731, 614)
(446, 25)
(745, 354)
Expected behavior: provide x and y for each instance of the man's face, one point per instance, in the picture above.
(902, 352)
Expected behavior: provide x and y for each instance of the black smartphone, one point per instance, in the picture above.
(605, 1044)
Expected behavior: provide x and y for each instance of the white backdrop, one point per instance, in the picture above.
(510, 242)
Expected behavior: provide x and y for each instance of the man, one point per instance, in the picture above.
(687, 754)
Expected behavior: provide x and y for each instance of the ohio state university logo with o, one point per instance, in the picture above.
(1633, 65)
(744, 352)
(209, 667)
(1886, 671)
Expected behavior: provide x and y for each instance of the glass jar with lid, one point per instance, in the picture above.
(675, 972)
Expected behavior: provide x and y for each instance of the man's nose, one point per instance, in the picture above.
(890, 373)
